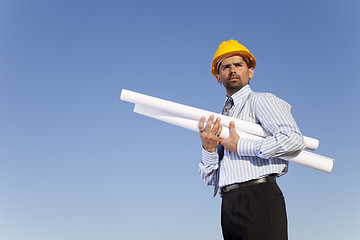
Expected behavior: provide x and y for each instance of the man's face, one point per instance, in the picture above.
(234, 74)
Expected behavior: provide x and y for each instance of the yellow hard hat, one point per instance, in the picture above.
(230, 47)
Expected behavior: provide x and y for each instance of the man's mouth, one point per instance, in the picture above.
(234, 77)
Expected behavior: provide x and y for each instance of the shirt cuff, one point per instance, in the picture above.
(209, 158)
(248, 147)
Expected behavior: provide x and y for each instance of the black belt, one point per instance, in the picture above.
(267, 179)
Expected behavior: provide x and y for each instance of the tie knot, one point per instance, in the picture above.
(229, 101)
(228, 105)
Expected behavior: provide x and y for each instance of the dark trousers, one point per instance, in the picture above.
(255, 212)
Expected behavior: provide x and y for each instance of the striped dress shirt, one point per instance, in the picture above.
(255, 158)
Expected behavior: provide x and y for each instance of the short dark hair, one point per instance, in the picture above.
(246, 60)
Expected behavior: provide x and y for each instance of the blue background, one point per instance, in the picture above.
(77, 163)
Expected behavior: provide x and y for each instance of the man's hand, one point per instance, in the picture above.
(230, 143)
(210, 134)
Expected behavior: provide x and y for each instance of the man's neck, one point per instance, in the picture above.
(230, 92)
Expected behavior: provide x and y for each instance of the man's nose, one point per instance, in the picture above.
(232, 69)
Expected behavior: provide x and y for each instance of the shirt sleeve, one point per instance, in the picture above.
(274, 116)
(208, 167)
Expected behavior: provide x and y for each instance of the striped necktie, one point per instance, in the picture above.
(220, 148)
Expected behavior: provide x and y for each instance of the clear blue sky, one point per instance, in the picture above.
(77, 163)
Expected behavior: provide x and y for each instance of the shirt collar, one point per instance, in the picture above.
(241, 95)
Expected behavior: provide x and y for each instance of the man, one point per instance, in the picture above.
(253, 206)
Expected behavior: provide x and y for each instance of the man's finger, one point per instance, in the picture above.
(215, 128)
(209, 123)
(201, 124)
(232, 126)
(219, 131)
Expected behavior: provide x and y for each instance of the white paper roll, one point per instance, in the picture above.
(188, 117)
(188, 112)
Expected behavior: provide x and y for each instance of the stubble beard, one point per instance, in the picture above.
(233, 86)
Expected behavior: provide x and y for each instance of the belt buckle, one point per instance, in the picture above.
(225, 189)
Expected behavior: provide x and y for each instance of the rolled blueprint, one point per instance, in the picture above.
(176, 117)
(196, 113)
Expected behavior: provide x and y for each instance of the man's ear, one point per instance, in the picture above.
(251, 73)
(218, 79)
